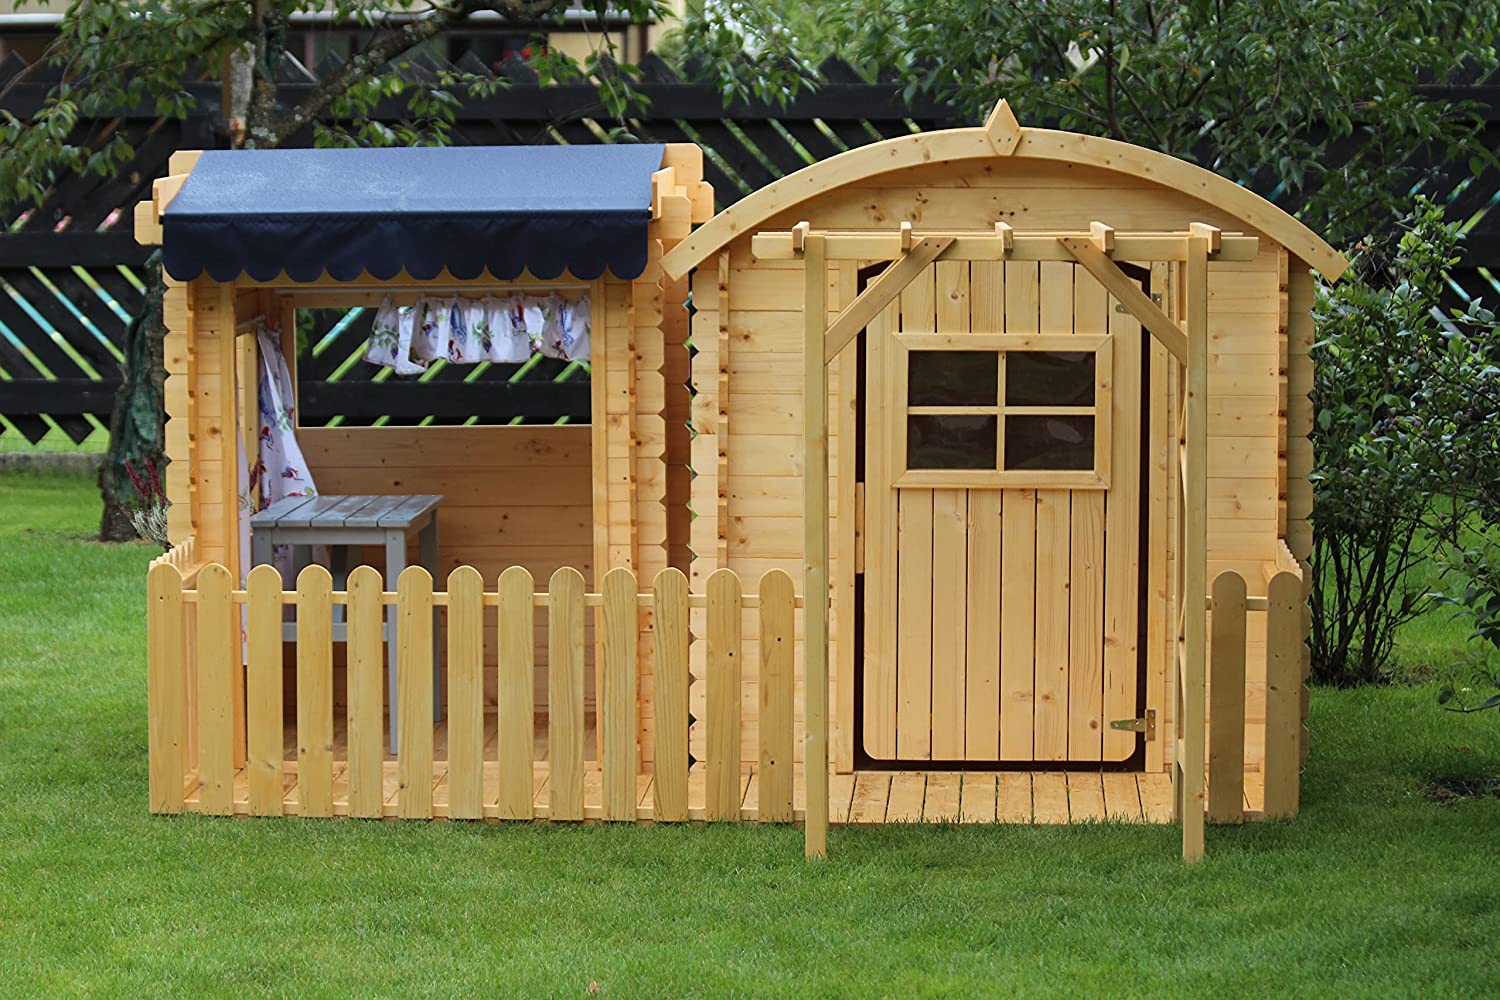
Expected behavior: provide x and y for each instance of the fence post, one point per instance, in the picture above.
(516, 740)
(722, 799)
(166, 688)
(465, 694)
(617, 699)
(414, 693)
(670, 636)
(263, 722)
(366, 681)
(778, 683)
(218, 659)
(315, 692)
(1283, 695)
(565, 694)
(1226, 713)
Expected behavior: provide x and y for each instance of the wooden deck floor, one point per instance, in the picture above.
(866, 798)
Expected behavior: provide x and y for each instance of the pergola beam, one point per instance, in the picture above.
(880, 293)
(1000, 244)
(1095, 250)
(1108, 274)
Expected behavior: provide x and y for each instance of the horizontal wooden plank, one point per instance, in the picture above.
(1242, 458)
(445, 447)
(479, 485)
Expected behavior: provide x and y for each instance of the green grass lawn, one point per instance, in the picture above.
(1374, 890)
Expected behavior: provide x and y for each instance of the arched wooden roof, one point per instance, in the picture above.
(1002, 136)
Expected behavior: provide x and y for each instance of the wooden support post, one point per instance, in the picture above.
(1195, 570)
(815, 545)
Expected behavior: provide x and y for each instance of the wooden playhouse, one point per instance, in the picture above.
(1000, 397)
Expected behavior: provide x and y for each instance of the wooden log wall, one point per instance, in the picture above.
(640, 404)
(1297, 497)
(746, 450)
(200, 401)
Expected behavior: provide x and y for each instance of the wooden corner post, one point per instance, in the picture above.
(1191, 761)
(815, 544)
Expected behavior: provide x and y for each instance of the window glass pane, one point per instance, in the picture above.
(1049, 442)
(951, 442)
(953, 378)
(1049, 378)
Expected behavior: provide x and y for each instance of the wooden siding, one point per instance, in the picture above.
(746, 454)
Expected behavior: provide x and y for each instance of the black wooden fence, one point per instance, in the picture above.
(71, 274)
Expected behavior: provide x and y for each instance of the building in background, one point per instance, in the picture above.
(28, 31)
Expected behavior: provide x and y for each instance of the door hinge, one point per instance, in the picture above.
(1146, 724)
(859, 528)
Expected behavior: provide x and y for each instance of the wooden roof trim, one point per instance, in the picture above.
(977, 143)
(147, 215)
(1003, 129)
(1190, 179)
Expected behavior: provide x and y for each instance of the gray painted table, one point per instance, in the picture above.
(341, 522)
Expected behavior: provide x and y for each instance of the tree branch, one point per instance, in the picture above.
(387, 45)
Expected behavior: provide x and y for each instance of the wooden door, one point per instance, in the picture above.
(1002, 471)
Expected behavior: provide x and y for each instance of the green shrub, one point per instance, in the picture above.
(1375, 495)
(1407, 445)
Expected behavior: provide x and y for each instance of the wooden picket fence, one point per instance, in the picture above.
(1284, 605)
(217, 720)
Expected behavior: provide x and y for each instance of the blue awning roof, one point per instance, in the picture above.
(545, 209)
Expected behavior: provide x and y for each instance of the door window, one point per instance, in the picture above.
(1003, 411)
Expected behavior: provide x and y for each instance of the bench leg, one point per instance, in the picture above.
(338, 560)
(260, 548)
(427, 542)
